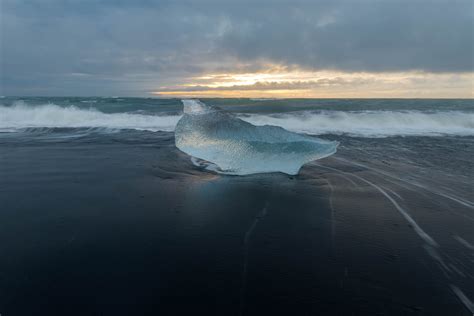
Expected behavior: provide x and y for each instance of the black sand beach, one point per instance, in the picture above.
(106, 225)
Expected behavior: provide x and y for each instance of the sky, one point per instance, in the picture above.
(223, 48)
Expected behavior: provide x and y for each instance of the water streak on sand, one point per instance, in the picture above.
(464, 242)
(331, 206)
(393, 192)
(454, 198)
(437, 257)
(431, 246)
(248, 234)
(427, 238)
(463, 298)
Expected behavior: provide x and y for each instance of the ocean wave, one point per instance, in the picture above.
(263, 99)
(352, 123)
(22, 116)
(371, 123)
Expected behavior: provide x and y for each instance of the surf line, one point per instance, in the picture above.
(248, 234)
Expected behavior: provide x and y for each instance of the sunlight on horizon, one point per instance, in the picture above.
(323, 84)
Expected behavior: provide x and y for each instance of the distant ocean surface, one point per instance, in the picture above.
(101, 214)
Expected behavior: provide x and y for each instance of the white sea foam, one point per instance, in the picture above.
(372, 123)
(21, 115)
(360, 123)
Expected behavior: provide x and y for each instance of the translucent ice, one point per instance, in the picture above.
(238, 147)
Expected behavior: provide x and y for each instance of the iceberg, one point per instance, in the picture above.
(239, 148)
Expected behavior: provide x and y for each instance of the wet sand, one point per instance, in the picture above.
(129, 229)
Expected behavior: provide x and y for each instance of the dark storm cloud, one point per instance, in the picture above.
(130, 47)
(359, 35)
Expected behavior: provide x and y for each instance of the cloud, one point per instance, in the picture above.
(272, 85)
(326, 84)
(358, 35)
(131, 47)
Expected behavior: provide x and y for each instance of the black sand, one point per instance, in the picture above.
(119, 228)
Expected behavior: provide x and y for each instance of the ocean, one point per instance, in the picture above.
(101, 214)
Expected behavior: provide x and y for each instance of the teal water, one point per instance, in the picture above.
(158, 105)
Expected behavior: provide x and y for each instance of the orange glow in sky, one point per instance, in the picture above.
(323, 84)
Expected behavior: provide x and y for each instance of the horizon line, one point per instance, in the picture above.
(248, 98)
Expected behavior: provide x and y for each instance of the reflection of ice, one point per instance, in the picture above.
(240, 148)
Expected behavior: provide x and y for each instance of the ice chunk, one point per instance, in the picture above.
(240, 148)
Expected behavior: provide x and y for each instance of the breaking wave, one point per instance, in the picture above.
(21, 116)
(371, 123)
(352, 123)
